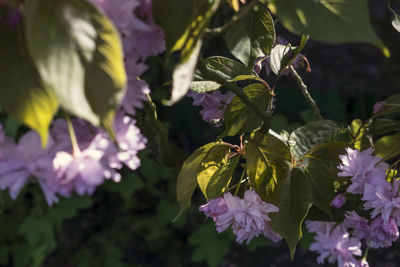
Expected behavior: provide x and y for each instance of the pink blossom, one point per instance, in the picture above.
(334, 242)
(383, 234)
(362, 263)
(364, 168)
(129, 139)
(214, 207)
(26, 160)
(378, 107)
(338, 201)
(357, 223)
(137, 90)
(213, 105)
(248, 217)
(84, 170)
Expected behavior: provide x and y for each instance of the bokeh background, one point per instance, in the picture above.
(130, 223)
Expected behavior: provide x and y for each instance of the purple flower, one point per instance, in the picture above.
(213, 105)
(248, 217)
(338, 201)
(378, 107)
(214, 207)
(84, 170)
(364, 168)
(334, 242)
(24, 160)
(383, 234)
(137, 90)
(362, 263)
(357, 223)
(129, 140)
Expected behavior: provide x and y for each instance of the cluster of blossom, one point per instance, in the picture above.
(213, 104)
(248, 217)
(380, 197)
(62, 168)
(265, 61)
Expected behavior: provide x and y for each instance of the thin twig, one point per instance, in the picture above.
(235, 18)
(306, 94)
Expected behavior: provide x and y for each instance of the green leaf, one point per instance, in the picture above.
(187, 177)
(227, 68)
(321, 169)
(105, 76)
(334, 21)
(23, 93)
(294, 199)
(321, 175)
(314, 133)
(328, 151)
(78, 54)
(182, 77)
(358, 132)
(388, 147)
(220, 179)
(239, 117)
(246, 77)
(209, 245)
(174, 17)
(283, 55)
(211, 167)
(252, 37)
(203, 12)
(383, 126)
(268, 160)
(204, 86)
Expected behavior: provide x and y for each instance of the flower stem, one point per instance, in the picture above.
(75, 147)
(306, 94)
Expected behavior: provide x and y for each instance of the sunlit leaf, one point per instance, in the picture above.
(187, 177)
(78, 54)
(23, 93)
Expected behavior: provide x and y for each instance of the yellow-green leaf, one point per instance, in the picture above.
(23, 94)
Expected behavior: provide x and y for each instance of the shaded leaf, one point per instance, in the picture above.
(321, 175)
(294, 199)
(334, 21)
(203, 11)
(209, 245)
(227, 68)
(383, 126)
(23, 93)
(174, 17)
(314, 133)
(252, 37)
(239, 117)
(388, 147)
